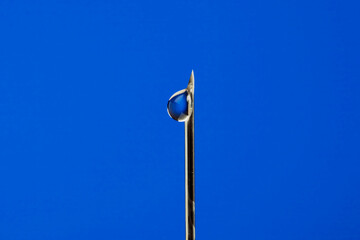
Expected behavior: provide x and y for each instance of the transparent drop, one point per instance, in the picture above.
(179, 106)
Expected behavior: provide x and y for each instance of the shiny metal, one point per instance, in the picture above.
(190, 165)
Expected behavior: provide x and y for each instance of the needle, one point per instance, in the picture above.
(190, 166)
(181, 108)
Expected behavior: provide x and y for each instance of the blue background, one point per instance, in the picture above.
(87, 150)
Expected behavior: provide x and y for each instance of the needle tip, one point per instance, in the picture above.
(191, 83)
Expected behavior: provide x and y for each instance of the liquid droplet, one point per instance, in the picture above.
(179, 106)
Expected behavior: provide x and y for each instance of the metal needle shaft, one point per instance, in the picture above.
(190, 167)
